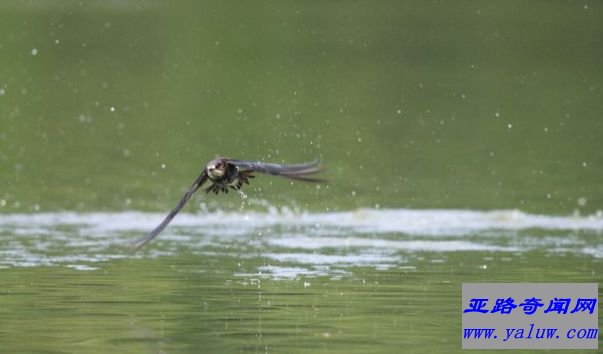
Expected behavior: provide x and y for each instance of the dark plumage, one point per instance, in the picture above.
(227, 173)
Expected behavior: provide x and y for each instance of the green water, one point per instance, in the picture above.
(115, 107)
(193, 304)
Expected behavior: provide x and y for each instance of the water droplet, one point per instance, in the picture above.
(84, 119)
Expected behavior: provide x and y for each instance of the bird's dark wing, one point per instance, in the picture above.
(189, 193)
(302, 171)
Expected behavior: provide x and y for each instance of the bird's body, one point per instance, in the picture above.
(224, 174)
(227, 173)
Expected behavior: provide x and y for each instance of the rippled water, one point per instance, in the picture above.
(369, 280)
(317, 243)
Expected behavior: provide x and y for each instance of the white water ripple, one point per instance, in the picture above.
(378, 237)
(436, 222)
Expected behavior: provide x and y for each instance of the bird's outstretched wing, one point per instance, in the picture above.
(302, 171)
(189, 193)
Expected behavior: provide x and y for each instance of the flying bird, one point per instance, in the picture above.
(225, 174)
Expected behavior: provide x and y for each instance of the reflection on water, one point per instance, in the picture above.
(351, 282)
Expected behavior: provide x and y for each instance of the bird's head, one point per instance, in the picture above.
(216, 168)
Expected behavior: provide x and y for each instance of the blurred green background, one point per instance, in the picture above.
(423, 104)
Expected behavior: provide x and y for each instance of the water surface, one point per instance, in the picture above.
(368, 280)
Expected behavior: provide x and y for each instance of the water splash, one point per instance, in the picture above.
(297, 240)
